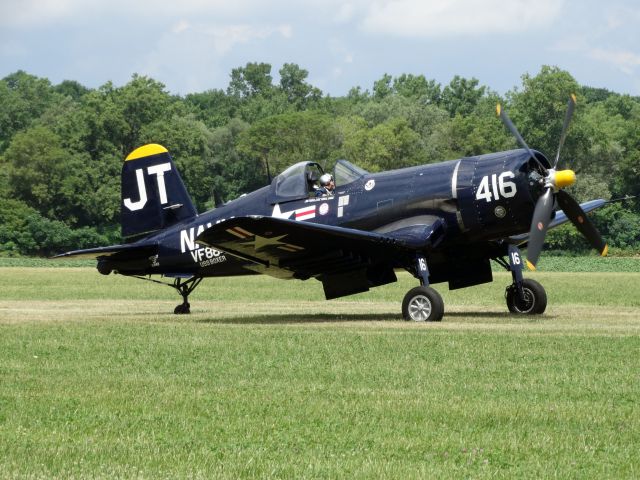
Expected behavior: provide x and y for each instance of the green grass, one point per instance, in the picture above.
(266, 379)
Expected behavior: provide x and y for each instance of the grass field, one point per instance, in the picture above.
(267, 380)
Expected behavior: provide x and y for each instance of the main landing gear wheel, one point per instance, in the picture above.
(534, 302)
(422, 304)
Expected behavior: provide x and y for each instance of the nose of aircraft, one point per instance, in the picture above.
(562, 178)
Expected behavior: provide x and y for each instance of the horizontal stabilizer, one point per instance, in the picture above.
(121, 252)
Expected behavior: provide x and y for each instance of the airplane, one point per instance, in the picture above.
(441, 222)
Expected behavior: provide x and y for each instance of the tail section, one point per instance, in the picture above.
(153, 194)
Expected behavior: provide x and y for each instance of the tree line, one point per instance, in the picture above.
(62, 146)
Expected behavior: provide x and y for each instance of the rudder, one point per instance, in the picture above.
(153, 196)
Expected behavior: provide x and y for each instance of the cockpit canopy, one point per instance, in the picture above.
(347, 172)
(301, 180)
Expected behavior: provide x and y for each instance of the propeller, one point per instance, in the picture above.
(554, 182)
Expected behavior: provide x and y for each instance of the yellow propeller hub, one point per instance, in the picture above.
(564, 178)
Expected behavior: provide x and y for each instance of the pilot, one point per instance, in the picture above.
(327, 185)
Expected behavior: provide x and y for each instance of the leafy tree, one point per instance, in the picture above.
(71, 88)
(594, 95)
(23, 98)
(422, 118)
(417, 87)
(233, 172)
(356, 95)
(293, 84)
(188, 141)
(259, 107)
(282, 140)
(41, 173)
(105, 126)
(539, 110)
(389, 145)
(214, 107)
(619, 226)
(461, 96)
(140, 102)
(23, 231)
(382, 87)
(252, 79)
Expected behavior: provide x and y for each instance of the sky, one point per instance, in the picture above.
(192, 45)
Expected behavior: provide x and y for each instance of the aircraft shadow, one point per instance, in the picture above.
(301, 319)
(277, 319)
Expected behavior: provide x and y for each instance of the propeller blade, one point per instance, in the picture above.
(565, 127)
(577, 216)
(512, 128)
(539, 224)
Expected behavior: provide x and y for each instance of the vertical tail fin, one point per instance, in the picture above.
(153, 194)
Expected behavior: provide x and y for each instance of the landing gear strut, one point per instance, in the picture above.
(523, 296)
(423, 303)
(185, 287)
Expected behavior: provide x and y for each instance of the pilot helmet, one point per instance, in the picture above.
(325, 179)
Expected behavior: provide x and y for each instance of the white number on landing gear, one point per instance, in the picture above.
(498, 187)
(422, 264)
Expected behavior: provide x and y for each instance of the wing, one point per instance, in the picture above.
(559, 219)
(346, 260)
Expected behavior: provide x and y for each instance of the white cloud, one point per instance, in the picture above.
(20, 13)
(345, 13)
(34, 13)
(223, 39)
(189, 56)
(181, 26)
(417, 18)
(624, 60)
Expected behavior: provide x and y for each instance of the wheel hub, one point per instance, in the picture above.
(419, 308)
(525, 305)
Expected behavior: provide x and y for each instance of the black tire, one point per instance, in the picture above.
(535, 298)
(182, 309)
(422, 304)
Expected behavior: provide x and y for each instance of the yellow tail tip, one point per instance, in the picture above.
(605, 251)
(573, 97)
(146, 151)
(530, 266)
(498, 109)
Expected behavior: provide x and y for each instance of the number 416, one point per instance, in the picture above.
(500, 187)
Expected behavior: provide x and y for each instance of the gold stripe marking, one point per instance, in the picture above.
(232, 232)
(242, 230)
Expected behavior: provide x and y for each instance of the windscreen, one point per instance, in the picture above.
(346, 172)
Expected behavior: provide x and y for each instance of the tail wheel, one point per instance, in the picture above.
(182, 309)
(422, 304)
(534, 302)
